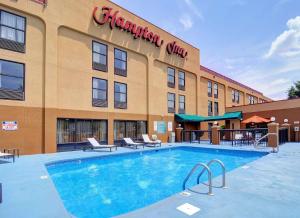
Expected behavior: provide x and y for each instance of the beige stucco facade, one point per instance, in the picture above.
(59, 72)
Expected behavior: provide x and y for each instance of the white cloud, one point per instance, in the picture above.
(287, 44)
(194, 9)
(186, 21)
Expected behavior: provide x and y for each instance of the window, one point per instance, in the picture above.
(216, 91)
(251, 99)
(171, 103)
(132, 129)
(120, 62)
(99, 92)
(120, 95)
(235, 96)
(11, 80)
(209, 89)
(181, 104)
(216, 108)
(99, 56)
(76, 130)
(171, 77)
(210, 109)
(181, 81)
(12, 31)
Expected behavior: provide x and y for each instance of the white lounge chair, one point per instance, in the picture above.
(7, 155)
(96, 145)
(150, 142)
(130, 143)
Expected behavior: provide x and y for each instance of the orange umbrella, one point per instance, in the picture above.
(256, 119)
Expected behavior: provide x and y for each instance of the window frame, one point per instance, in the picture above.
(216, 109)
(210, 106)
(181, 110)
(118, 71)
(171, 110)
(171, 84)
(181, 87)
(119, 141)
(99, 102)
(216, 90)
(10, 91)
(118, 104)
(209, 88)
(9, 44)
(95, 64)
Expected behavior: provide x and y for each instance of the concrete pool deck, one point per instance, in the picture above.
(267, 187)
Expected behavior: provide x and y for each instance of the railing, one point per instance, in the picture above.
(206, 168)
(196, 136)
(236, 137)
(283, 135)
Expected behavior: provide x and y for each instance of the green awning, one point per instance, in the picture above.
(226, 116)
(196, 118)
(188, 118)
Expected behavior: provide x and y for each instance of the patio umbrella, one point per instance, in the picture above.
(256, 119)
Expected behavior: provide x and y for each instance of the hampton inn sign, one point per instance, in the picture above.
(115, 21)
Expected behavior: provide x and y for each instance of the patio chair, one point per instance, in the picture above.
(132, 144)
(238, 137)
(7, 155)
(96, 145)
(149, 142)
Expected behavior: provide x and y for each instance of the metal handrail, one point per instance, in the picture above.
(206, 168)
(223, 172)
(265, 136)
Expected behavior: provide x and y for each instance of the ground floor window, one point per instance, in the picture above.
(77, 130)
(129, 129)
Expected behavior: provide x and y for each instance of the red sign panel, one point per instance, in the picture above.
(116, 21)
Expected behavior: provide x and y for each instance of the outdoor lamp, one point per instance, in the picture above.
(273, 119)
(215, 123)
(285, 120)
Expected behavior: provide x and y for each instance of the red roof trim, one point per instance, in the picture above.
(228, 79)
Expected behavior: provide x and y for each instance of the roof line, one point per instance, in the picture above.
(153, 24)
(268, 102)
(228, 79)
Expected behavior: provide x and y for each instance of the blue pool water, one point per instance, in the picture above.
(113, 185)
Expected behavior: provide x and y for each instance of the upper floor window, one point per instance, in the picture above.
(171, 103)
(209, 89)
(171, 77)
(99, 56)
(120, 62)
(120, 95)
(235, 96)
(12, 79)
(12, 31)
(210, 108)
(181, 104)
(216, 108)
(99, 92)
(251, 99)
(181, 80)
(216, 90)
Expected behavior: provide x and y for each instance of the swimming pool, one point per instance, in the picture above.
(111, 185)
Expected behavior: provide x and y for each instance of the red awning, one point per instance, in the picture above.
(256, 119)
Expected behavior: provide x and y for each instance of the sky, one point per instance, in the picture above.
(255, 42)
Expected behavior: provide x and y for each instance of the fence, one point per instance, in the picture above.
(242, 137)
(283, 135)
(196, 136)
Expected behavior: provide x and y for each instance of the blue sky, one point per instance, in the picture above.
(256, 42)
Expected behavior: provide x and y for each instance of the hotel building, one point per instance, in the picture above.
(88, 68)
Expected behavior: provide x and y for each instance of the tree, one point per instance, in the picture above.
(294, 91)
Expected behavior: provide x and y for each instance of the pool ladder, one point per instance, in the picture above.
(206, 167)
